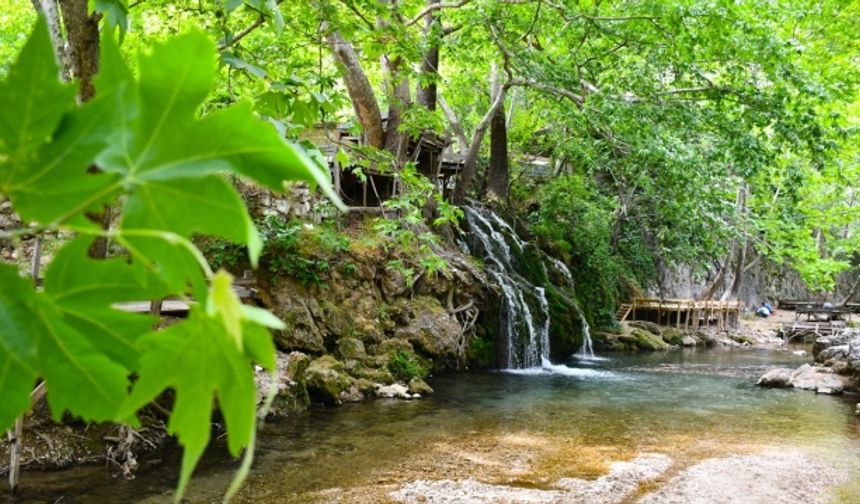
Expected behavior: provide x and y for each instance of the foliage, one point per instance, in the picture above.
(406, 366)
(299, 250)
(158, 165)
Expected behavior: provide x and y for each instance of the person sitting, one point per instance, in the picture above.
(763, 311)
(769, 307)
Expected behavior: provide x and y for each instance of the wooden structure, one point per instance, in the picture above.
(243, 287)
(806, 330)
(686, 313)
(376, 185)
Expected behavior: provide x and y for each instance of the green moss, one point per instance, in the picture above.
(565, 326)
(481, 352)
(406, 366)
(647, 341)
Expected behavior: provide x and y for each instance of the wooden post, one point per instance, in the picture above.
(678, 317)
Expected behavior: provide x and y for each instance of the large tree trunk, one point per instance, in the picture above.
(399, 97)
(467, 175)
(359, 89)
(497, 174)
(738, 281)
(426, 92)
(456, 127)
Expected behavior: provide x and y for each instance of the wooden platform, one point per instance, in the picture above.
(810, 330)
(686, 313)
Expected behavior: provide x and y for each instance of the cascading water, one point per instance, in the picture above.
(525, 307)
(587, 348)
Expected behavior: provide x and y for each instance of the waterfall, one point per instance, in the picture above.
(525, 309)
(587, 349)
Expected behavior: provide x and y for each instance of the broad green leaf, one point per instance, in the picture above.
(19, 325)
(84, 291)
(240, 64)
(32, 101)
(199, 361)
(225, 305)
(217, 209)
(57, 185)
(115, 14)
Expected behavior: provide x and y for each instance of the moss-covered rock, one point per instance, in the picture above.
(651, 327)
(351, 348)
(326, 380)
(419, 386)
(648, 341)
(672, 336)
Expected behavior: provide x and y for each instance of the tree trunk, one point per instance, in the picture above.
(497, 174)
(359, 89)
(82, 57)
(711, 289)
(426, 91)
(456, 127)
(852, 291)
(399, 97)
(467, 175)
(82, 31)
(737, 282)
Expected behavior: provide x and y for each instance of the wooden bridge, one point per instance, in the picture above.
(683, 313)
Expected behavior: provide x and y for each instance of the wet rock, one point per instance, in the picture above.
(419, 386)
(776, 378)
(432, 330)
(287, 384)
(351, 348)
(688, 341)
(820, 379)
(354, 394)
(393, 345)
(833, 352)
(394, 391)
(326, 380)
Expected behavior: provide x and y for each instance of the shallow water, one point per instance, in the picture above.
(526, 428)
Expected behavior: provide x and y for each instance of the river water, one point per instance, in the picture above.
(526, 428)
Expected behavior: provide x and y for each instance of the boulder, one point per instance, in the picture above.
(688, 341)
(648, 341)
(651, 327)
(432, 330)
(830, 354)
(291, 394)
(351, 348)
(820, 379)
(776, 378)
(672, 336)
(394, 391)
(419, 386)
(326, 380)
(393, 283)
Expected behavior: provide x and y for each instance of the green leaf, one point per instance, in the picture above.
(19, 324)
(84, 291)
(27, 121)
(115, 14)
(199, 361)
(240, 64)
(217, 209)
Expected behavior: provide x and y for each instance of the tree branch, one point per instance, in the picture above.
(430, 8)
(242, 34)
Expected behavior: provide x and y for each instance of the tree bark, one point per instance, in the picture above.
(497, 174)
(456, 127)
(82, 58)
(851, 292)
(398, 99)
(467, 175)
(710, 290)
(737, 282)
(48, 8)
(426, 93)
(359, 89)
(82, 30)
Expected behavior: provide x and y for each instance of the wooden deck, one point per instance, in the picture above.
(686, 313)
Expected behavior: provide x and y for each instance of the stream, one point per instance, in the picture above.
(525, 428)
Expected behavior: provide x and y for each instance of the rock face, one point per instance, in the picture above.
(362, 316)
